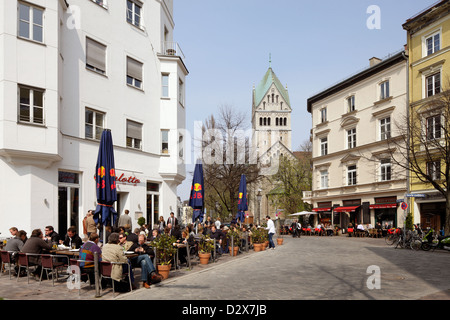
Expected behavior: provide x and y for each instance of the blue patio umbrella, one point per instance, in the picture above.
(196, 199)
(105, 177)
(242, 199)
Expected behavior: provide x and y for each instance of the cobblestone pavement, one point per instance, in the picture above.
(315, 268)
(309, 268)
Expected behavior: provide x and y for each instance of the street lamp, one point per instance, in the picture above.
(258, 198)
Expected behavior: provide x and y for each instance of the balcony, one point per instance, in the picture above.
(307, 196)
(172, 49)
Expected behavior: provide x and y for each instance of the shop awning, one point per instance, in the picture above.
(345, 209)
(322, 209)
(383, 206)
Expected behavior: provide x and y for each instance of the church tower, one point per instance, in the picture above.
(271, 118)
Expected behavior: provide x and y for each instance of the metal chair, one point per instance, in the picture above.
(48, 263)
(6, 260)
(105, 269)
(23, 262)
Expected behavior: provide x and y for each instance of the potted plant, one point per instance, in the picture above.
(165, 251)
(205, 247)
(141, 221)
(234, 239)
(257, 239)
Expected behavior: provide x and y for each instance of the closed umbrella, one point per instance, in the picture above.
(105, 177)
(242, 199)
(196, 199)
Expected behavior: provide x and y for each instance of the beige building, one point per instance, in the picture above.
(354, 177)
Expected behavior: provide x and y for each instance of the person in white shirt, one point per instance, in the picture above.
(271, 228)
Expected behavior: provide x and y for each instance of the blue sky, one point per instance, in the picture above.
(313, 45)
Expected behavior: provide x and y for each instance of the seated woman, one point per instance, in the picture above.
(187, 239)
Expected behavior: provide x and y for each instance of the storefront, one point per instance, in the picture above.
(385, 211)
(324, 210)
(432, 215)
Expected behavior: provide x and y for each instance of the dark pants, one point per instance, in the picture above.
(271, 244)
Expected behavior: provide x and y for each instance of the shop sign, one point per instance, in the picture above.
(130, 180)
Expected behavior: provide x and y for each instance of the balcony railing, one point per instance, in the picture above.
(172, 49)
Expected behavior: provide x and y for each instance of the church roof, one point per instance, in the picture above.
(265, 84)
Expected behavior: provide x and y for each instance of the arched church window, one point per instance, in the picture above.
(260, 121)
(265, 121)
(276, 121)
(268, 121)
(285, 121)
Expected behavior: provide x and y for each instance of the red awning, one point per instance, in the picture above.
(345, 209)
(321, 209)
(383, 206)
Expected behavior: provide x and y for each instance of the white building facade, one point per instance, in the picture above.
(68, 70)
(355, 178)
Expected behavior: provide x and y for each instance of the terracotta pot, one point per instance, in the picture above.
(236, 249)
(204, 257)
(163, 270)
(280, 241)
(257, 247)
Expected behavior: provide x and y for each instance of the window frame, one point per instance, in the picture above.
(134, 142)
(351, 138)
(352, 175)
(31, 22)
(181, 91)
(165, 86)
(385, 170)
(324, 179)
(435, 132)
(351, 103)
(432, 36)
(133, 81)
(94, 123)
(323, 146)
(434, 90)
(165, 149)
(133, 13)
(31, 105)
(387, 128)
(384, 90)
(97, 68)
(436, 167)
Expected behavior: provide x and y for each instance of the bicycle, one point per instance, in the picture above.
(392, 237)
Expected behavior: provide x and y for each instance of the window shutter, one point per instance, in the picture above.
(134, 69)
(95, 54)
(134, 130)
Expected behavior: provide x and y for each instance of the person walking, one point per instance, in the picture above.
(271, 229)
(125, 219)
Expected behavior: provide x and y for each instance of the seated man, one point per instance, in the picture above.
(72, 238)
(50, 235)
(113, 252)
(15, 245)
(148, 271)
(36, 245)
(87, 251)
(219, 236)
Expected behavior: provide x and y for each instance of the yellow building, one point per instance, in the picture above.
(429, 76)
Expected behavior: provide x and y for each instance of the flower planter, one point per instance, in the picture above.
(235, 248)
(163, 270)
(257, 247)
(280, 241)
(204, 257)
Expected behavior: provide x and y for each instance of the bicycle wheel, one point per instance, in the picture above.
(391, 239)
(426, 246)
(415, 244)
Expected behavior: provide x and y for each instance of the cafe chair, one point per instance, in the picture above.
(105, 269)
(6, 260)
(24, 262)
(49, 262)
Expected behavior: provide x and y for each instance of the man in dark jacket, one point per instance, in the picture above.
(51, 235)
(143, 261)
(219, 236)
(72, 238)
(36, 244)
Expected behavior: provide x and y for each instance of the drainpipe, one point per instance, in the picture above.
(408, 201)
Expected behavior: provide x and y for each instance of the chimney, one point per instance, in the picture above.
(374, 60)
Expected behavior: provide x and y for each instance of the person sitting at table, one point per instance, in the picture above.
(124, 243)
(51, 235)
(133, 236)
(36, 245)
(113, 252)
(72, 239)
(189, 239)
(87, 251)
(154, 235)
(218, 236)
(144, 261)
(15, 244)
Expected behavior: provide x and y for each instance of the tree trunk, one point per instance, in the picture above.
(447, 213)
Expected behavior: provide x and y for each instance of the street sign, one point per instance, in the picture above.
(400, 200)
(404, 205)
(415, 195)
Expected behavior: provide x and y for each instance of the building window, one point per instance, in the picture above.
(433, 44)
(384, 90)
(181, 91)
(351, 138)
(323, 115)
(134, 13)
(260, 121)
(324, 146)
(323, 179)
(31, 22)
(351, 175)
(31, 106)
(94, 124)
(434, 127)
(102, 3)
(433, 84)
(95, 56)
(165, 85)
(134, 134)
(434, 170)
(385, 170)
(385, 128)
(134, 73)
(165, 141)
(180, 146)
(351, 104)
